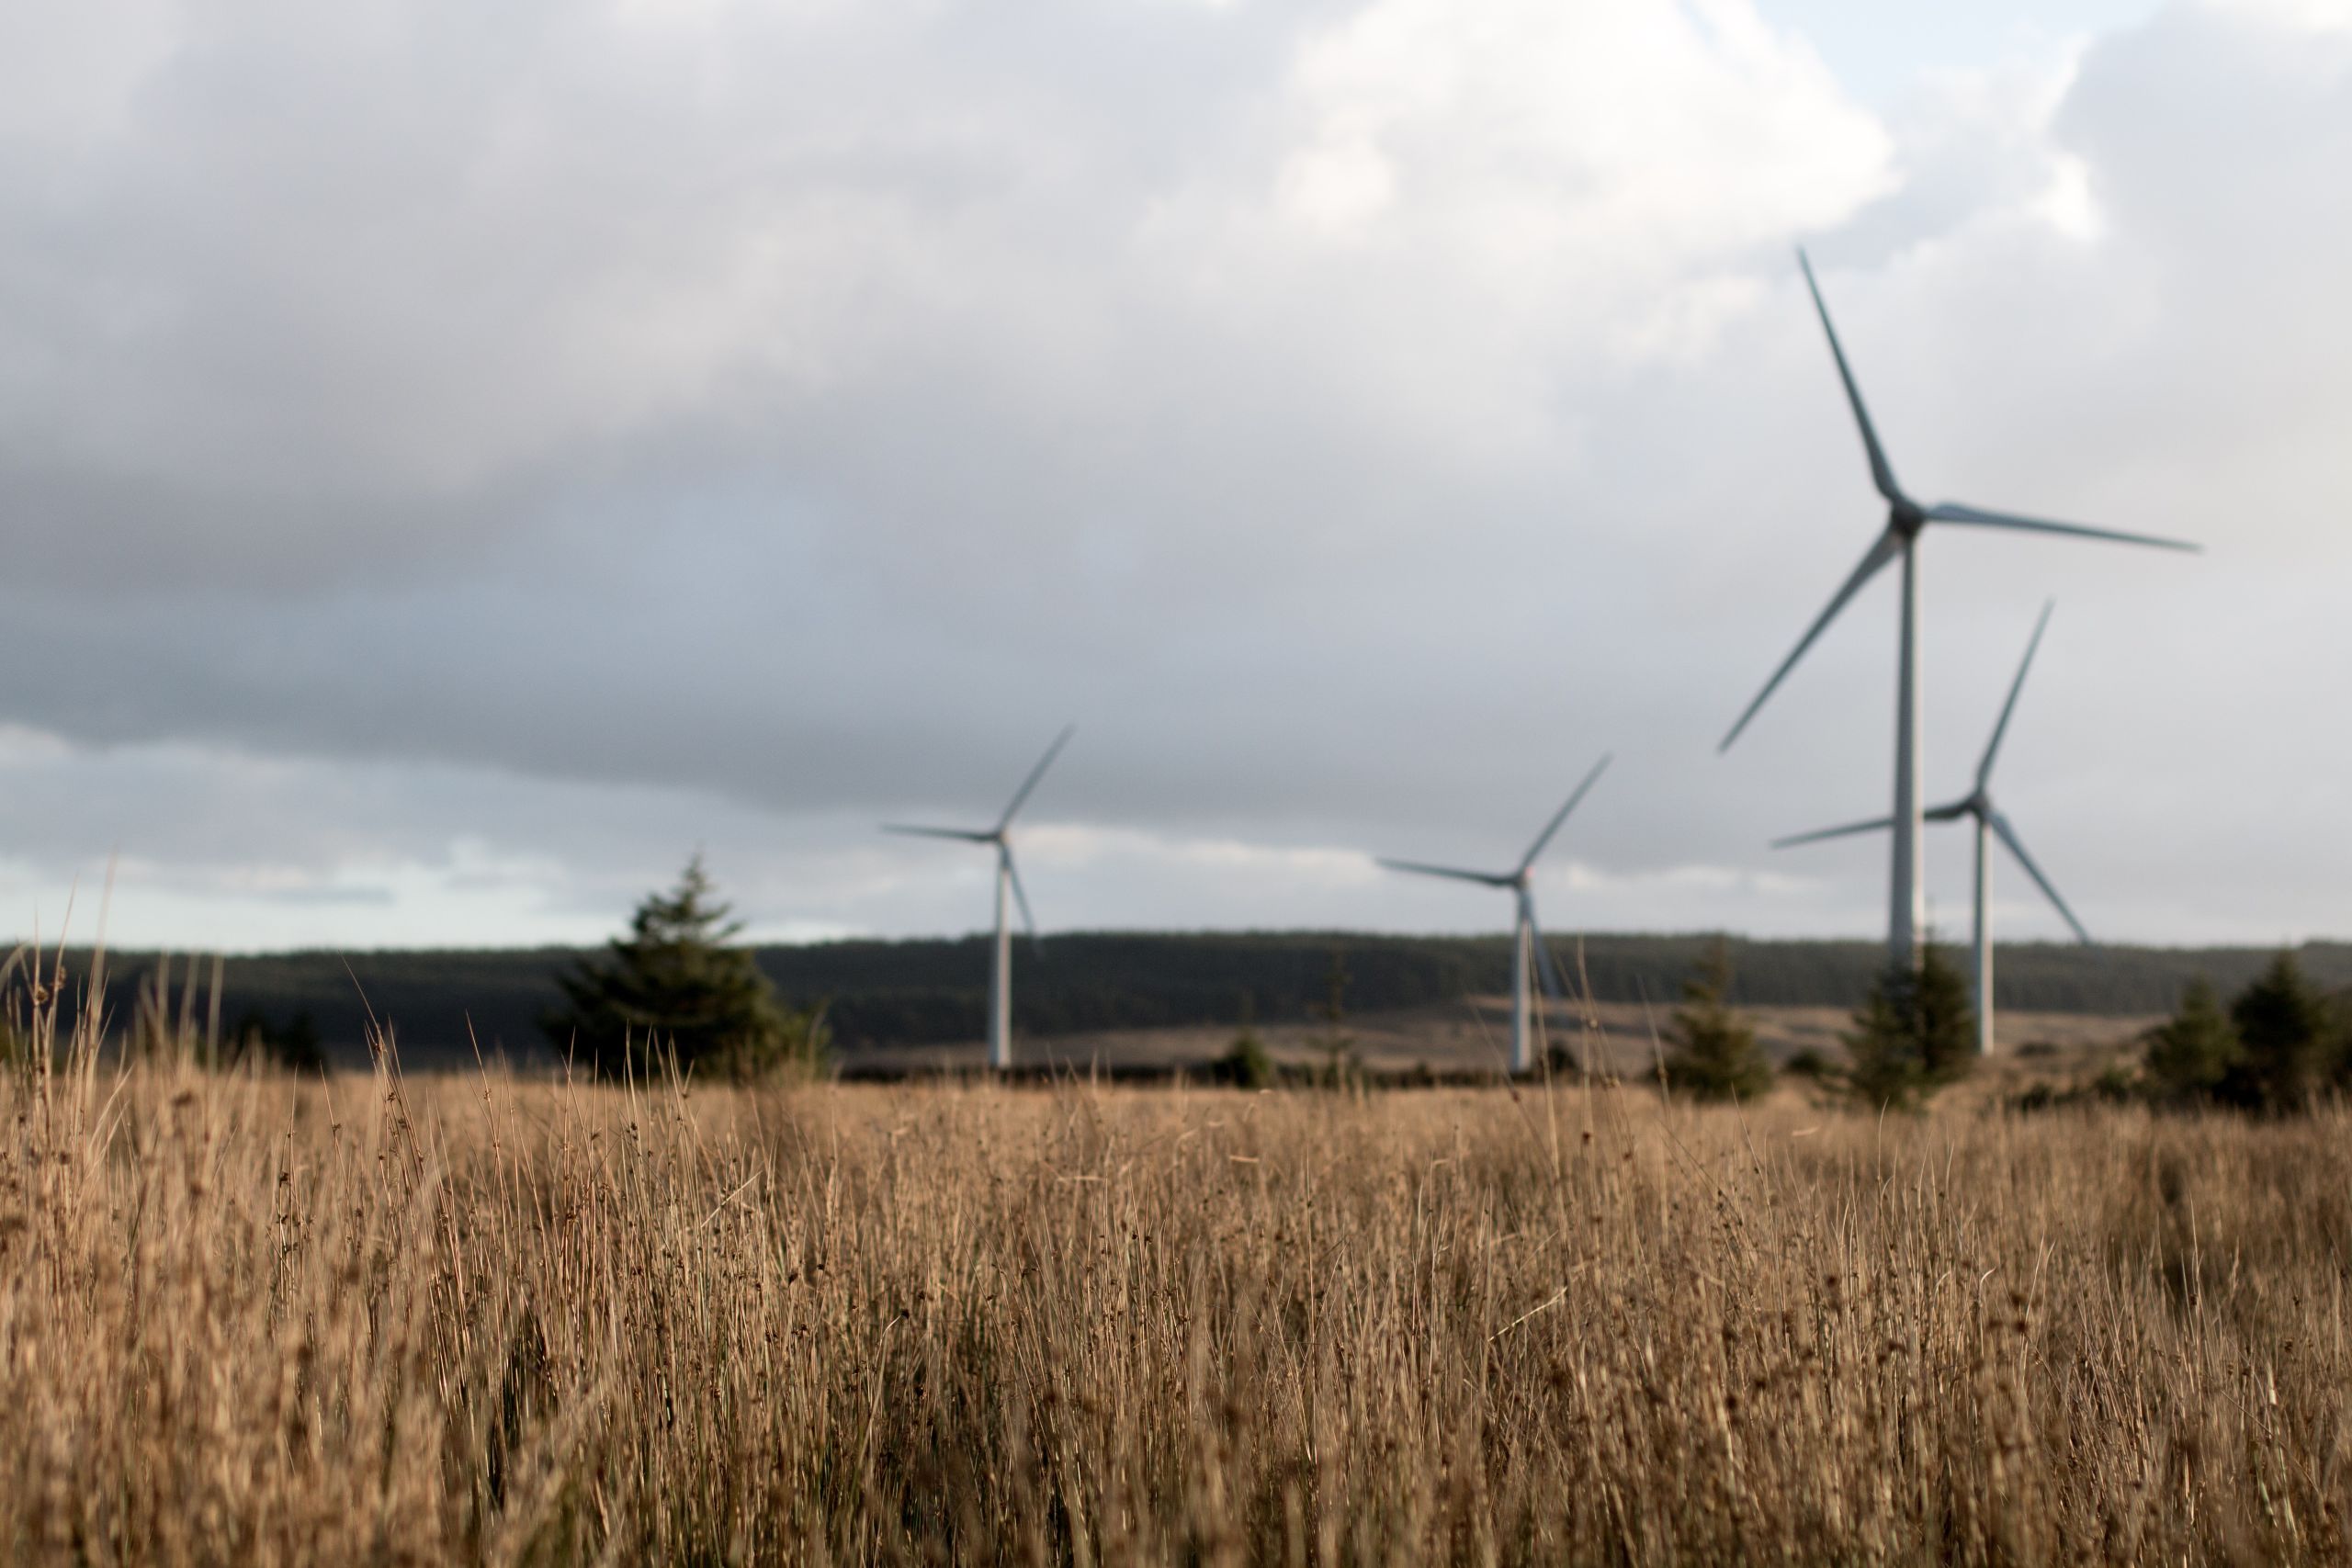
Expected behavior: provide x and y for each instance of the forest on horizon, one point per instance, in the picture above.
(443, 1005)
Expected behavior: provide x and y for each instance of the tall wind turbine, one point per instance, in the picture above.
(1008, 879)
(1978, 805)
(1899, 540)
(1527, 938)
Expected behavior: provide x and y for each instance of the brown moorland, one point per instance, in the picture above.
(249, 1319)
(1472, 1038)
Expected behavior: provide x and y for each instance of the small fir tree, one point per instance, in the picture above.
(2282, 1027)
(1944, 1017)
(2192, 1052)
(1247, 1063)
(294, 1045)
(2339, 1047)
(1807, 1062)
(676, 988)
(1913, 1034)
(1715, 1054)
(1336, 1044)
(1882, 1070)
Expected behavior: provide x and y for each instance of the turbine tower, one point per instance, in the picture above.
(1008, 880)
(1527, 938)
(1978, 805)
(1899, 540)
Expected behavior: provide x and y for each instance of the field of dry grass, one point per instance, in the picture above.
(247, 1320)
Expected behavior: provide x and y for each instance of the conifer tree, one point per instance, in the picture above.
(1714, 1055)
(2282, 1027)
(1914, 1034)
(2337, 1049)
(1336, 1043)
(1247, 1063)
(294, 1045)
(2191, 1053)
(676, 989)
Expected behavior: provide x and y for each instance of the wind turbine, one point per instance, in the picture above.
(1526, 937)
(1977, 805)
(1899, 540)
(1006, 878)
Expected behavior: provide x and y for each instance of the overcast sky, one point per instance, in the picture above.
(455, 461)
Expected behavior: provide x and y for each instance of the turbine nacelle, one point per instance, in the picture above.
(1519, 881)
(1905, 518)
(1978, 801)
(1001, 836)
(1979, 806)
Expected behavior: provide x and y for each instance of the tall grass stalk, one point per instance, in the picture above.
(247, 1318)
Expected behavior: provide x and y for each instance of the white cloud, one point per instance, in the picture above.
(1539, 148)
(2302, 15)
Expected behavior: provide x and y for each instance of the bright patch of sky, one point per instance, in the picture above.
(1880, 50)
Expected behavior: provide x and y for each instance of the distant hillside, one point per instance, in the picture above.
(878, 993)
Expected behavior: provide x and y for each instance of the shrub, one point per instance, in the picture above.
(1246, 1063)
(2339, 1039)
(2115, 1084)
(294, 1045)
(1714, 1056)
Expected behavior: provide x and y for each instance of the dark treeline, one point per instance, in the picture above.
(441, 1004)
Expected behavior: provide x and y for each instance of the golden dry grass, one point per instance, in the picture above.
(244, 1320)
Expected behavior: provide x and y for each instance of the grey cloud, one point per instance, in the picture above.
(794, 421)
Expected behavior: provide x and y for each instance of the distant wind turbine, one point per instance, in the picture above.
(1527, 938)
(1905, 519)
(1978, 805)
(1008, 878)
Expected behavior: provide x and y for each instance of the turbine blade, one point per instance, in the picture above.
(1485, 878)
(1993, 747)
(1546, 970)
(1952, 813)
(1881, 474)
(1977, 517)
(1013, 874)
(1021, 794)
(1888, 546)
(1561, 816)
(965, 834)
(1875, 825)
(2008, 835)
